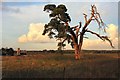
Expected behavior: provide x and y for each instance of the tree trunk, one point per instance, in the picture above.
(80, 47)
(77, 51)
(77, 48)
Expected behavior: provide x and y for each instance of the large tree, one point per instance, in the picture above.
(59, 27)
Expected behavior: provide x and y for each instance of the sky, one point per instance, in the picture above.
(23, 24)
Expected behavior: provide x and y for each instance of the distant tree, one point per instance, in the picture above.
(7, 51)
(11, 52)
(59, 27)
(3, 51)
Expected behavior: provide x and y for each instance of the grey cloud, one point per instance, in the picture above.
(26, 0)
(9, 9)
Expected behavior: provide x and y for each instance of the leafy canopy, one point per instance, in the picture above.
(57, 27)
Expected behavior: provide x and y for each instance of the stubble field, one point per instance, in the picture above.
(55, 65)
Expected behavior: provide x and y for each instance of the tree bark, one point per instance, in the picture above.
(77, 51)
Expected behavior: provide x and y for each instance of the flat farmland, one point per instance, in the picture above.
(56, 65)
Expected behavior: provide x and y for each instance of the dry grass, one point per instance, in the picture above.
(59, 66)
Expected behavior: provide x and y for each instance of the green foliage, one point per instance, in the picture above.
(61, 45)
(49, 7)
(57, 27)
(62, 7)
(50, 34)
(59, 12)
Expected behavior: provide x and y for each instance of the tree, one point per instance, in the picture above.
(59, 27)
(8, 51)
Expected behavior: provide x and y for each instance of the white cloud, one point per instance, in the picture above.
(112, 31)
(35, 34)
(22, 38)
(99, 44)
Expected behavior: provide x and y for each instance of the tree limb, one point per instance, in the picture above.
(85, 26)
(85, 17)
(64, 40)
(74, 28)
(80, 23)
(101, 37)
(73, 35)
(98, 22)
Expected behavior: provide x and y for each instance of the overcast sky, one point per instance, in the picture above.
(23, 22)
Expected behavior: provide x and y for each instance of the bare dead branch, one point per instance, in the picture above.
(95, 8)
(101, 21)
(98, 22)
(86, 24)
(80, 24)
(98, 18)
(95, 34)
(74, 28)
(92, 10)
(78, 29)
(90, 19)
(85, 17)
(101, 37)
(106, 37)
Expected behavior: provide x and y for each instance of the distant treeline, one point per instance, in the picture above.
(101, 51)
(12, 52)
(72, 51)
